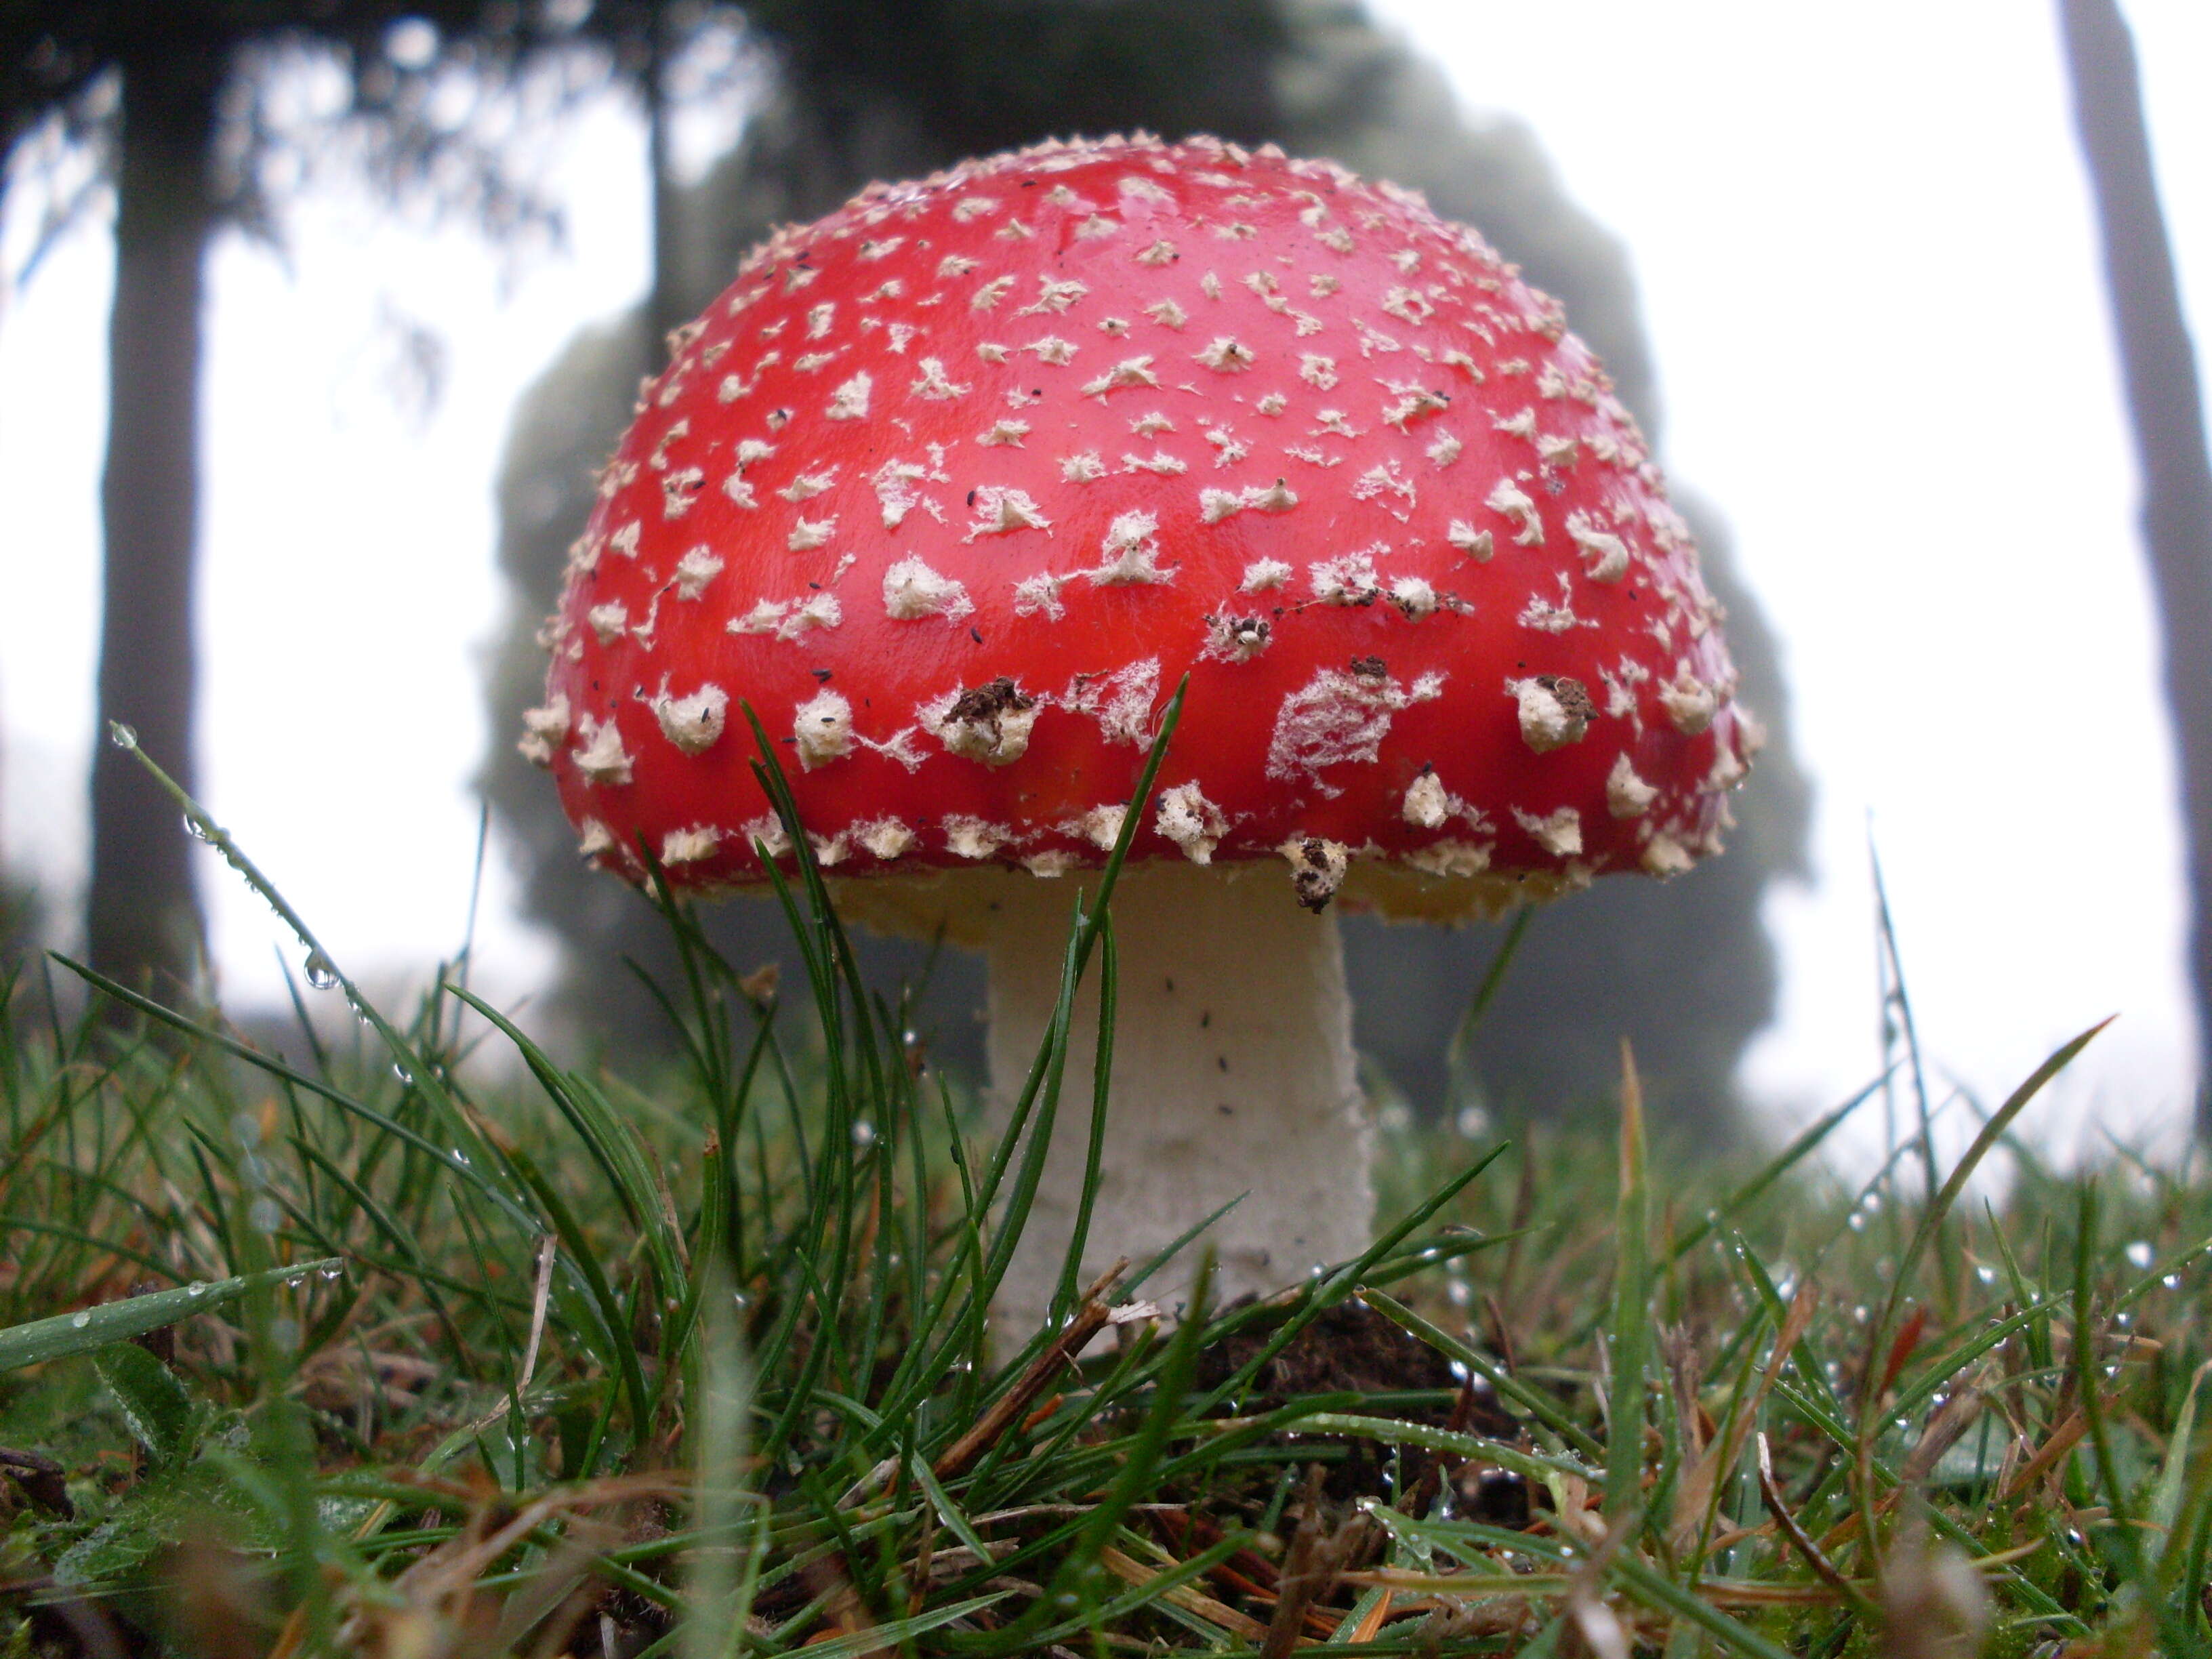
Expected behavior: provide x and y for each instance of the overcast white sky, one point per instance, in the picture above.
(1866, 261)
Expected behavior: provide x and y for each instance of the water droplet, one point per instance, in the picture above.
(197, 1287)
(864, 1133)
(82, 1320)
(2123, 1319)
(399, 1070)
(322, 973)
(1471, 1122)
(2140, 1253)
(1988, 1275)
(121, 735)
(334, 1271)
(2171, 1281)
(1858, 1221)
(1459, 1293)
(1859, 1313)
(196, 829)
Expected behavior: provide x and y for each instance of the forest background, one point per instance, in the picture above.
(1870, 283)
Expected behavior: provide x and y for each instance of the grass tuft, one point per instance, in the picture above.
(360, 1348)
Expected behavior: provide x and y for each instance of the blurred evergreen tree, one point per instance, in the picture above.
(894, 89)
(181, 103)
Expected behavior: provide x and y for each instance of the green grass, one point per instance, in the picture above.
(699, 1364)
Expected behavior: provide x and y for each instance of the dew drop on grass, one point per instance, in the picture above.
(1858, 1221)
(121, 735)
(82, 1320)
(2140, 1253)
(322, 973)
(2171, 1281)
(1987, 1275)
(864, 1133)
(1459, 1293)
(1473, 1122)
(197, 1287)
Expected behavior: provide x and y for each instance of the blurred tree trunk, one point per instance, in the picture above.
(666, 309)
(2166, 408)
(142, 916)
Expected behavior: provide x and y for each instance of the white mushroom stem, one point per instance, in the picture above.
(1232, 1073)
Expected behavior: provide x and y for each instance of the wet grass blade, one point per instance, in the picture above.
(63, 1334)
(1631, 1302)
(1808, 1141)
(1931, 1221)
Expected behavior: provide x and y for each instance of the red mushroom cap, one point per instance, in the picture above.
(955, 485)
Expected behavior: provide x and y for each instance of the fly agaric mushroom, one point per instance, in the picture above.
(953, 486)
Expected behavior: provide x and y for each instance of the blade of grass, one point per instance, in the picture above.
(1884, 1330)
(1808, 1141)
(65, 1335)
(1631, 1303)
